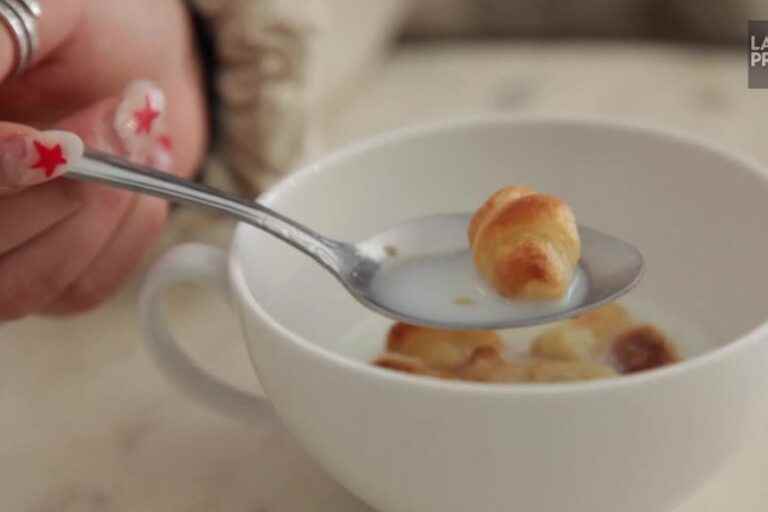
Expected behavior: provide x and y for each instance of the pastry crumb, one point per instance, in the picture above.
(463, 301)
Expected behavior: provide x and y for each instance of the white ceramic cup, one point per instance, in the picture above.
(407, 444)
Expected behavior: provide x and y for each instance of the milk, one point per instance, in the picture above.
(447, 288)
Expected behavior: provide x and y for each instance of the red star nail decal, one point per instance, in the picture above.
(49, 158)
(145, 117)
(166, 142)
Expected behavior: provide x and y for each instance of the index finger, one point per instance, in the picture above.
(29, 157)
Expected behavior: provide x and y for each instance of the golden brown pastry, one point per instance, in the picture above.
(605, 322)
(486, 364)
(565, 343)
(405, 364)
(587, 336)
(439, 349)
(546, 370)
(525, 244)
(599, 344)
(643, 348)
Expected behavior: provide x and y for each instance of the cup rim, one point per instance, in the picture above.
(365, 369)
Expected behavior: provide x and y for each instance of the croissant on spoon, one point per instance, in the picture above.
(525, 244)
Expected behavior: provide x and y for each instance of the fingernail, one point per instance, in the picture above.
(35, 158)
(166, 142)
(161, 157)
(140, 119)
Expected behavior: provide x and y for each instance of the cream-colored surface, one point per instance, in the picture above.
(89, 424)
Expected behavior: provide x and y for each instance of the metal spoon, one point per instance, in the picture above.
(612, 266)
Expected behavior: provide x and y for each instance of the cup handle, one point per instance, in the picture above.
(202, 264)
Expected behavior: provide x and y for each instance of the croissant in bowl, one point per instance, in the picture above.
(525, 244)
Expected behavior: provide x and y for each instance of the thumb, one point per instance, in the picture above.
(30, 157)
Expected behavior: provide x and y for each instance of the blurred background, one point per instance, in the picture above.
(677, 63)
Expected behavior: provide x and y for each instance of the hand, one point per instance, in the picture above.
(65, 245)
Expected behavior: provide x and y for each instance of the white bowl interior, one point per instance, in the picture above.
(697, 214)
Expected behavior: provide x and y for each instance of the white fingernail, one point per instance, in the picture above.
(161, 158)
(140, 118)
(35, 158)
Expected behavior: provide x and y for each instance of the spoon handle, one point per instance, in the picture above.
(109, 169)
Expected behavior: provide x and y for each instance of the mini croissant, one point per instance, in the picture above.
(439, 348)
(525, 244)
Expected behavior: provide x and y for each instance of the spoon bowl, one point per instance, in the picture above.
(419, 272)
(422, 272)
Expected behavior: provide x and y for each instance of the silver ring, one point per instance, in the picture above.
(30, 25)
(19, 33)
(19, 16)
(34, 7)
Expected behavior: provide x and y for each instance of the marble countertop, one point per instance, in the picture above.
(89, 424)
